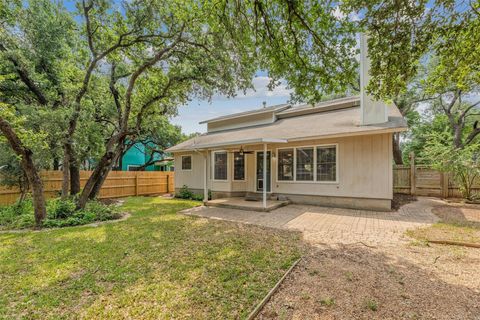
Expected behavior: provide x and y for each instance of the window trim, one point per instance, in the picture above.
(314, 181)
(191, 162)
(245, 174)
(213, 166)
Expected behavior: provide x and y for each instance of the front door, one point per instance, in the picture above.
(259, 180)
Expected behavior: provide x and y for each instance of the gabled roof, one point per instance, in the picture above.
(334, 118)
(275, 108)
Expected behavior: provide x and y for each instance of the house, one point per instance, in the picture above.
(335, 153)
(141, 156)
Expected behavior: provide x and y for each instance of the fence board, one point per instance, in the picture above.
(117, 184)
(428, 182)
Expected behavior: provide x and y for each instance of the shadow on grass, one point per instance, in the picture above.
(155, 264)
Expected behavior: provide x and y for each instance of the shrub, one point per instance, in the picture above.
(185, 193)
(197, 197)
(60, 209)
(60, 213)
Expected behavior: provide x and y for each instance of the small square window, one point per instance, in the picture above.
(186, 162)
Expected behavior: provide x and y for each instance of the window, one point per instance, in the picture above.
(186, 162)
(220, 166)
(304, 164)
(238, 166)
(327, 163)
(285, 165)
(133, 168)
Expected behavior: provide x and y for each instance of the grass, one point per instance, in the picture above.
(156, 264)
(371, 305)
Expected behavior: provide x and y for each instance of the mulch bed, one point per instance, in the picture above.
(400, 200)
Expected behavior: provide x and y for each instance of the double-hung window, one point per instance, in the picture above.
(186, 162)
(220, 166)
(304, 164)
(285, 165)
(327, 163)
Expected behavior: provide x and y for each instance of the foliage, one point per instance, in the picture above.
(60, 213)
(185, 193)
(177, 266)
(463, 163)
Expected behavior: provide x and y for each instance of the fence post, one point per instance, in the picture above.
(444, 183)
(412, 173)
(136, 183)
(168, 186)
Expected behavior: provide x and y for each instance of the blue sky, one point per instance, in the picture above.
(191, 114)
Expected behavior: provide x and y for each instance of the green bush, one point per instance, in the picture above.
(60, 209)
(185, 193)
(197, 197)
(60, 213)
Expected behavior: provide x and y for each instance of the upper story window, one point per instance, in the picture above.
(220, 167)
(327, 163)
(285, 164)
(186, 162)
(304, 164)
(238, 166)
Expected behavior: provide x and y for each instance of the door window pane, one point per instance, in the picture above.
(238, 166)
(304, 164)
(220, 164)
(285, 165)
(327, 163)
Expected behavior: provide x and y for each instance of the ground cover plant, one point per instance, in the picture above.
(60, 213)
(155, 264)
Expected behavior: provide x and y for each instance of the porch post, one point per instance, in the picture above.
(205, 177)
(264, 189)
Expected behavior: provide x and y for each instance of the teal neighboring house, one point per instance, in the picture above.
(140, 154)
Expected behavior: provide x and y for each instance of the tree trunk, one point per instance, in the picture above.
(397, 152)
(99, 183)
(74, 177)
(66, 171)
(30, 170)
(96, 179)
(457, 136)
(56, 164)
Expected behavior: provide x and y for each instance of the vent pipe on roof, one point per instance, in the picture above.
(264, 104)
(372, 111)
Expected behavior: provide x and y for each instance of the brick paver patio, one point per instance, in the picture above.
(323, 225)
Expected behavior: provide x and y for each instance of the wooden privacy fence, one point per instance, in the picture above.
(422, 180)
(118, 184)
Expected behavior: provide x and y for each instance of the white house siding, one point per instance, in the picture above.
(364, 170)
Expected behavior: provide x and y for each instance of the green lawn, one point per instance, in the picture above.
(156, 264)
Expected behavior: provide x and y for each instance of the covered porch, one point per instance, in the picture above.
(256, 179)
(244, 203)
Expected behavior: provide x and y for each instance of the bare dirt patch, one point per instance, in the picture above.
(458, 213)
(356, 282)
(458, 223)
